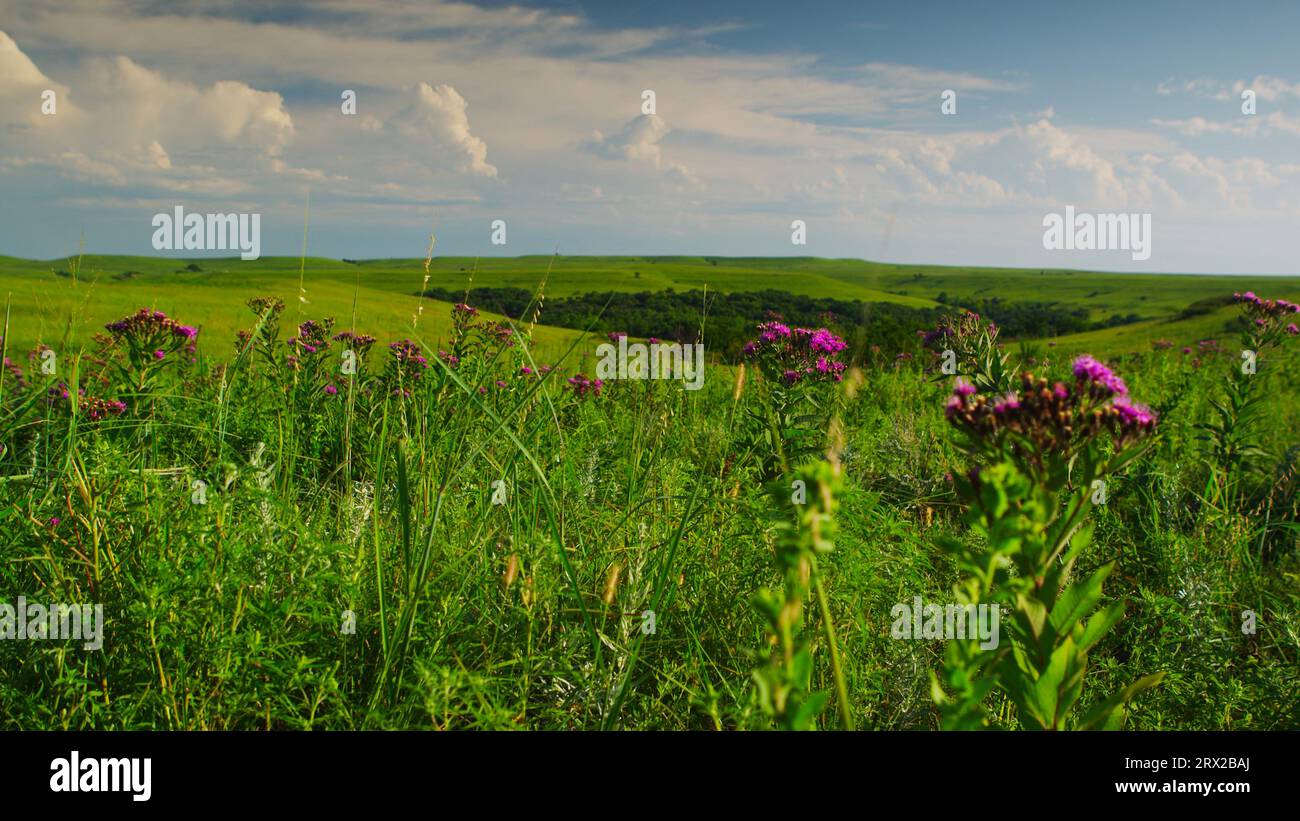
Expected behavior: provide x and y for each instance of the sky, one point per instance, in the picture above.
(764, 114)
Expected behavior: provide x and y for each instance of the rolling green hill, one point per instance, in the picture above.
(48, 301)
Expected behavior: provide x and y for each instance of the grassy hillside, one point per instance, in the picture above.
(54, 297)
(475, 542)
(49, 306)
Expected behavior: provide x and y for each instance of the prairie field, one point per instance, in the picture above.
(307, 497)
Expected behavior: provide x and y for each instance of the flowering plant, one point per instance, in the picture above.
(152, 341)
(1041, 466)
(792, 355)
(964, 345)
(1269, 323)
(792, 360)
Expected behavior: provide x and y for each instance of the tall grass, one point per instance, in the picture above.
(379, 499)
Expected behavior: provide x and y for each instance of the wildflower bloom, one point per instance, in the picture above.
(96, 409)
(791, 355)
(1054, 419)
(582, 386)
(1269, 317)
(359, 344)
(331, 390)
(1101, 378)
(313, 338)
(147, 332)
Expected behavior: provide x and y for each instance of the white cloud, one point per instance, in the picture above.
(639, 142)
(439, 116)
(1257, 125)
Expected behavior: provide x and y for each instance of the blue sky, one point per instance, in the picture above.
(765, 113)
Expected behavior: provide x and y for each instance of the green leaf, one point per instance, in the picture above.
(805, 716)
(1078, 600)
(1099, 625)
(1107, 715)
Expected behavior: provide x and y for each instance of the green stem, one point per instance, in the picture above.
(841, 691)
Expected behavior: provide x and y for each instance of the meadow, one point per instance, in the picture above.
(307, 498)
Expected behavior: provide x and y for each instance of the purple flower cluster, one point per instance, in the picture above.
(149, 328)
(796, 354)
(582, 386)
(92, 407)
(1268, 315)
(1273, 307)
(405, 352)
(355, 342)
(1100, 380)
(313, 337)
(98, 409)
(1055, 418)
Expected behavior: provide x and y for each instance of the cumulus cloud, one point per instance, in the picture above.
(21, 86)
(638, 142)
(439, 115)
(114, 124)
(190, 100)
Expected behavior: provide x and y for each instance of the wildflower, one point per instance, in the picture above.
(97, 409)
(502, 333)
(1102, 378)
(146, 333)
(406, 352)
(791, 354)
(1054, 420)
(331, 390)
(583, 386)
(359, 344)
(1268, 317)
